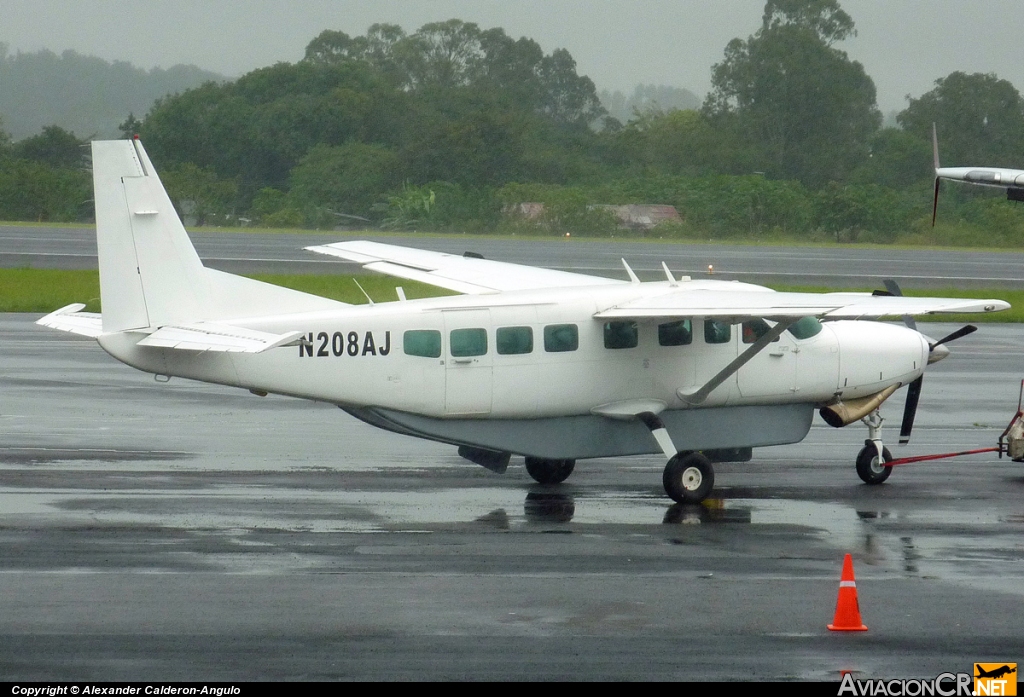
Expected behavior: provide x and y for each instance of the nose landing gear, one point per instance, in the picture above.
(870, 459)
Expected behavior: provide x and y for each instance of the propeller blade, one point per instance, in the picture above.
(959, 333)
(935, 201)
(894, 289)
(910, 409)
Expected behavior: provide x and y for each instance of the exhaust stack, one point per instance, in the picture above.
(844, 413)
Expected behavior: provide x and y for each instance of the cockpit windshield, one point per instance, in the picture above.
(805, 328)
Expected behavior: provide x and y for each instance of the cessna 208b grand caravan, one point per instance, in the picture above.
(551, 365)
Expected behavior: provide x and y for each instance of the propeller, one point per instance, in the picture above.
(938, 182)
(958, 334)
(936, 351)
(914, 390)
(910, 409)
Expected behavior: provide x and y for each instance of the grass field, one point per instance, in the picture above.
(45, 290)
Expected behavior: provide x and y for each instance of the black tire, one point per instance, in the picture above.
(868, 468)
(546, 471)
(688, 478)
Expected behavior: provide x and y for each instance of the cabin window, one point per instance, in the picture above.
(754, 329)
(716, 332)
(675, 333)
(620, 335)
(467, 342)
(561, 337)
(512, 341)
(422, 342)
(805, 328)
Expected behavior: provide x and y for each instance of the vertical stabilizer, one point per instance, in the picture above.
(150, 275)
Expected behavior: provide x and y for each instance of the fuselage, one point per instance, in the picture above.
(537, 354)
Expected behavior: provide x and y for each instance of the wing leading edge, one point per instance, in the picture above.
(461, 274)
(741, 304)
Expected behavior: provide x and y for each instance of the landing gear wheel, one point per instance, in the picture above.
(688, 478)
(868, 467)
(549, 471)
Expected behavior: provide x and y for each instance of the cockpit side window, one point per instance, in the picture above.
(716, 332)
(754, 329)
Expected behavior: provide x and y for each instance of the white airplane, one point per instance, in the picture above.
(551, 365)
(1010, 179)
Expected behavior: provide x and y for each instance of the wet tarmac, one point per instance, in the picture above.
(184, 531)
(852, 267)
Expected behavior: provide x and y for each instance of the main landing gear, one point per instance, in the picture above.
(546, 471)
(870, 458)
(689, 476)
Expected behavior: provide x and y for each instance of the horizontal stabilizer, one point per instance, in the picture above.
(69, 319)
(209, 336)
(462, 274)
(740, 305)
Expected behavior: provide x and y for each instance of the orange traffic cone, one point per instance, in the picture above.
(847, 617)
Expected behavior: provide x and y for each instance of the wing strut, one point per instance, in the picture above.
(698, 396)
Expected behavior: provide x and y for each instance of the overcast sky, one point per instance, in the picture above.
(905, 45)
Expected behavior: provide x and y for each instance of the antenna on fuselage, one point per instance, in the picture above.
(671, 279)
(368, 298)
(632, 276)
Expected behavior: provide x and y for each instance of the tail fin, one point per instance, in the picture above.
(150, 274)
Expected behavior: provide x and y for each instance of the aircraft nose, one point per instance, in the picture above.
(937, 352)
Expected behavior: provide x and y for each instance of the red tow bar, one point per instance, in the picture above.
(925, 458)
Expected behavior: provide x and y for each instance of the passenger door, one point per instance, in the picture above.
(469, 362)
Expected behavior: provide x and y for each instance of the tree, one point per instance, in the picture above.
(130, 127)
(344, 180)
(5, 138)
(823, 17)
(198, 192)
(54, 147)
(803, 105)
(980, 119)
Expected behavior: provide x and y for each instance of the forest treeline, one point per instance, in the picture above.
(450, 127)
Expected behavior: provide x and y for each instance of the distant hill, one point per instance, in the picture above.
(646, 98)
(84, 94)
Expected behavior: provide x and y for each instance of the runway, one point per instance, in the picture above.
(846, 267)
(183, 531)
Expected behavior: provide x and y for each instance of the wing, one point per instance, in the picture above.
(742, 304)
(461, 274)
